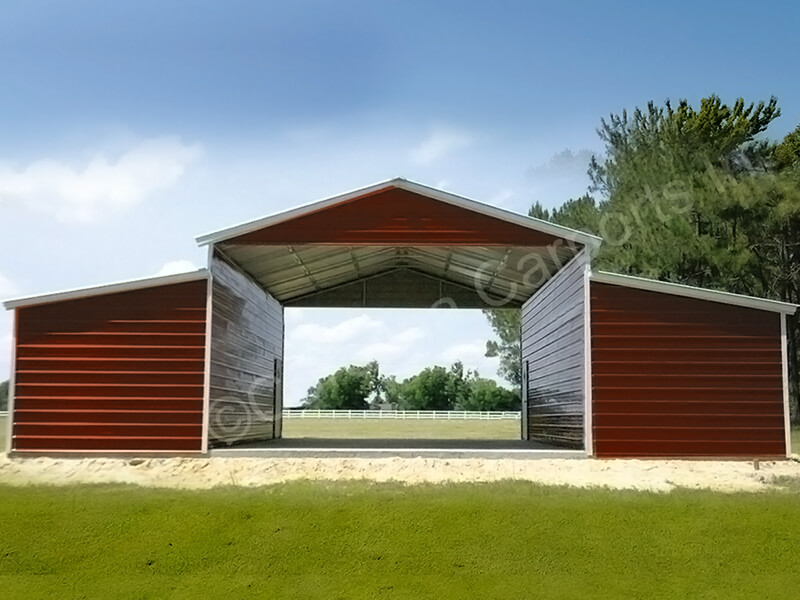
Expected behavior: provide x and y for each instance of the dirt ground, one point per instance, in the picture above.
(204, 473)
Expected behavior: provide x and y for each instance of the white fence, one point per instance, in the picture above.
(439, 415)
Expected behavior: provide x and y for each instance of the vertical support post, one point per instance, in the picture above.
(588, 437)
(524, 397)
(11, 379)
(282, 367)
(207, 357)
(277, 382)
(785, 371)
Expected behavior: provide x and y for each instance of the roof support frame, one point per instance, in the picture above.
(355, 261)
(347, 260)
(500, 265)
(365, 279)
(303, 266)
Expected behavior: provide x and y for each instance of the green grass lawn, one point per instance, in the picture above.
(3, 434)
(402, 429)
(357, 540)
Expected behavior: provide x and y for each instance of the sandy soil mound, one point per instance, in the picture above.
(204, 473)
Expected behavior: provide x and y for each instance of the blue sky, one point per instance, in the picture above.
(130, 127)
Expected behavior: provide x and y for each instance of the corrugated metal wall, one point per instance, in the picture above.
(115, 372)
(676, 376)
(553, 348)
(246, 358)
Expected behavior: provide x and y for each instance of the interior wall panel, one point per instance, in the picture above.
(552, 339)
(246, 342)
(114, 372)
(676, 376)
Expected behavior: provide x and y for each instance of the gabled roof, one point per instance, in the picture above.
(107, 288)
(688, 291)
(399, 183)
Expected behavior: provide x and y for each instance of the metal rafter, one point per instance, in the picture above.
(303, 266)
(355, 261)
(499, 268)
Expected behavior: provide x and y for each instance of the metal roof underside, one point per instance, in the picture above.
(401, 277)
(399, 244)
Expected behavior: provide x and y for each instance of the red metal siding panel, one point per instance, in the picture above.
(396, 217)
(675, 376)
(116, 372)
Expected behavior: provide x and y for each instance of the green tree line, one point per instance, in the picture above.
(690, 195)
(358, 387)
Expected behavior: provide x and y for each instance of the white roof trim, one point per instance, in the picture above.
(677, 289)
(410, 186)
(107, 288)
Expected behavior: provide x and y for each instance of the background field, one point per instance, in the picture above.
(356, 540)
(401, 429)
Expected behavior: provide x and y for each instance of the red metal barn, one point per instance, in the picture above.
(613, 366)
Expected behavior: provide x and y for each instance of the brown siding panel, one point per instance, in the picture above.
(373, 219)
(553, 347)
(247, 339)
(676, 376)
(114, 372)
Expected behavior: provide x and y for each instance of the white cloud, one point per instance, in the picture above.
(409, 336)
(392, 347)
(103, 185)
(473, 356)
(563, 176)
(440, 143)
(174, 267)
(314, 333)
(564, 164)
(7, 288)
(5, 353)
(470, 351)
(501, 198)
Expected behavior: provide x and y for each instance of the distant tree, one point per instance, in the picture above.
(392, 390)
(485, 394)
(459, 385)
(4, 395)
(375, 380)
(506, 324)
(427, 390)
(347, 388)
(787, 153)
(577, 213)
(435, 388)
